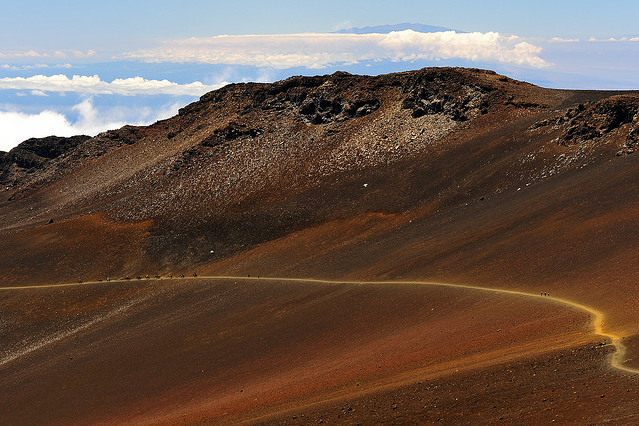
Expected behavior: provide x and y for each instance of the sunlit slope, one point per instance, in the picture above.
(226, 350)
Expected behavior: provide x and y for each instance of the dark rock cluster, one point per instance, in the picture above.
(320, 109)
(323, 99)
(438, 91)
(601, 118)
(317, 100)
(595, 120)
(231, 132)
(35, 153)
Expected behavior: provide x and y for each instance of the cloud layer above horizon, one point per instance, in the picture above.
(318, 50)
(94, 85)
(18, 126)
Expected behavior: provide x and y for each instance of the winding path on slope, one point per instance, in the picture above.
(616, 359)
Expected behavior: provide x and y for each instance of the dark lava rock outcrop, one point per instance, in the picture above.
(438, 91)
(324, 99)
(34, 154)
(593, 121)
(229, 133)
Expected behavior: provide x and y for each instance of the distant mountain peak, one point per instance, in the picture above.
(385, 29)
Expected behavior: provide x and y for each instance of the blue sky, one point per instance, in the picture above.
(69, 67)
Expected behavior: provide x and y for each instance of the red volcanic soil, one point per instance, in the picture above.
(225, 351)
(573, 387)
(450, 175)
(57, 252)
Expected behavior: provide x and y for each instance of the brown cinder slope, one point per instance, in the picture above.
(253, 162)
(224, 351)
(443, 174)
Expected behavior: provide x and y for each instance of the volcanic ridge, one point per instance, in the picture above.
(445, 244)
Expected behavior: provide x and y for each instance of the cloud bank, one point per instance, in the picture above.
(318, 50)
(18, 126)
(9, 67)
(57, 54)
(95, 86)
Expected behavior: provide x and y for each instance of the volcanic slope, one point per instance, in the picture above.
(443, 174)
(250, 350)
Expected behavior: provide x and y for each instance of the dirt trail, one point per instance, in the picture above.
(598, 317)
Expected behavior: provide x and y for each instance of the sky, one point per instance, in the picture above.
(76, 67)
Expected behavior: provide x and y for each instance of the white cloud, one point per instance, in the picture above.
(18, 126)
(613, 39)
(564, 40)
(32, 67)
(81, 54)
(16, 54)
(94, 85)
(317, 50)
(38, 93)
